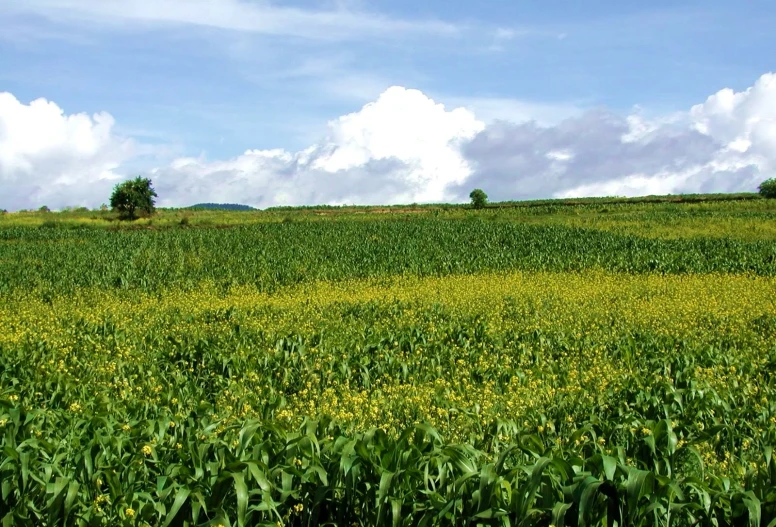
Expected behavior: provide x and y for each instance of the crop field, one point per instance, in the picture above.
(600, 364)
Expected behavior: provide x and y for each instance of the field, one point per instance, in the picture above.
(590, 363)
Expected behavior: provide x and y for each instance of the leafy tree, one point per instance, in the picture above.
(133, 197)
(44, 208)
(768, 188)
(479, 198)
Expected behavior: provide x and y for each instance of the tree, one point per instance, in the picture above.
(133, 197)
(768, 188)
(479, 198)
(44, 208)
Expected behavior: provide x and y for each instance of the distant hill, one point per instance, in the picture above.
(221, 206)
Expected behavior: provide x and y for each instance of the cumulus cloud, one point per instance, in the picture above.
(48, 157)
(726, 144)
(402, 148)
(405, 147)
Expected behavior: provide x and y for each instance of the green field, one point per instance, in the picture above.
(579, 362)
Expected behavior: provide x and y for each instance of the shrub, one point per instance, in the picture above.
(44, 209)
(133, 197)
(767, 188)
(479, 198)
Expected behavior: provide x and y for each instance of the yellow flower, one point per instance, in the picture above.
(146, 450)
(130, 512)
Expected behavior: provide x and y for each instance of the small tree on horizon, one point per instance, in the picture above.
(133, 197)
(767, 188)
(479, 198)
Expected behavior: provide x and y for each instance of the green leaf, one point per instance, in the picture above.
(559, 514)
(610, 466)
(241, 490)
(180, 498)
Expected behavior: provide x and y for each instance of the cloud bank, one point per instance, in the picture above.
(404, 147)
(47, 157)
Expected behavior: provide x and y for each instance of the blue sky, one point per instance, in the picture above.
(222, 77)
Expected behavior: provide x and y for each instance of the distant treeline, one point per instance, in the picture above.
(609, 200)
(221, 206)
(562, 202)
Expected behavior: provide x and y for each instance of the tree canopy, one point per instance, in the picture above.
(133, 198)
(479, 198)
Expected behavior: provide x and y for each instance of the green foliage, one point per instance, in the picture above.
(767, 188)
(298, 251)
(479, 198)
(44, 209)
(133, 197)
(147, 413)
(128, 396)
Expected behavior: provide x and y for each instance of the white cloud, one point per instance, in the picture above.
(402, 148)
(47, 157)
(491, 109)
(743, 119)
(405, 147)
(239, 15)
(407, 126)
(726, 144)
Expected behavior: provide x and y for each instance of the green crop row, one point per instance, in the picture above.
(272, 255)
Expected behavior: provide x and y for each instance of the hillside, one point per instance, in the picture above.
(220, 206)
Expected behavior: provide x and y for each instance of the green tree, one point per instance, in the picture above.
(479, 198)
(768, 188)
(44, 208)
(133, 197)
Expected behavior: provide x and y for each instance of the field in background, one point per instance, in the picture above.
(739, 216)
(555, 363)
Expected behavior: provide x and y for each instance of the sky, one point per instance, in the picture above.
(380, 102)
